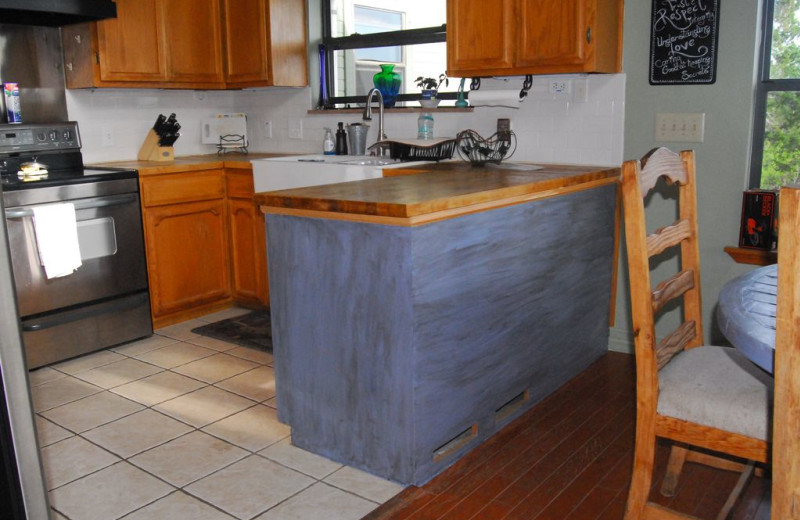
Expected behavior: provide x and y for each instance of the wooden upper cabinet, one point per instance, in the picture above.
(208, 44)
(552, 33)
(266, 43)
(131, 46)
(479, 35)
(193, 33)
(538, 37)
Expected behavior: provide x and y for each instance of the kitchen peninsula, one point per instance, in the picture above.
(415, 315)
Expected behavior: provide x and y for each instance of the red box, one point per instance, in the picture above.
(757, 229)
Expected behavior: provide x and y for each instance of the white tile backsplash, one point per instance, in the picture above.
(547, 129)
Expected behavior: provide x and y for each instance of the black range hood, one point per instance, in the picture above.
(55, 13)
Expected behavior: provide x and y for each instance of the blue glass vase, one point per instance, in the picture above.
(387, 81)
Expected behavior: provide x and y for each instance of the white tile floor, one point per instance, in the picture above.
(180, 426)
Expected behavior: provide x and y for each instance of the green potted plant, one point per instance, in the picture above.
(430, 87)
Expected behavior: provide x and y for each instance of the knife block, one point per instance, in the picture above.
(151, 151)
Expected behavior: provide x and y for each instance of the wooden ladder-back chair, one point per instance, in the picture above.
(705, 397)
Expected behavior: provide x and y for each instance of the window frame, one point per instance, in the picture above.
(331, 44)
(764, 87)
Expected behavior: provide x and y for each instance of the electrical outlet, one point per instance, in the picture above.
(107, 135)
(559, 87)
(503, 126)
(295, 128)
(268, 129)
(687, 128)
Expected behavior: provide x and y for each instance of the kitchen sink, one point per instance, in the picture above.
(299, 171)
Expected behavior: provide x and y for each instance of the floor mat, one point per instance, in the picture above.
(248, 330)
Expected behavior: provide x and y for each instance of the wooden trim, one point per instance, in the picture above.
(439, 215)
(612, 313)
(734, 444)
(743, 255)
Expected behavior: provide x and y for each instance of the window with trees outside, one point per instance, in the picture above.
(776, 136)
(360, 35)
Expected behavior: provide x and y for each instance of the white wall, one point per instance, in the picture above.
(548, 128)
(723, 157)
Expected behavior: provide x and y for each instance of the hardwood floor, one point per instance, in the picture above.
(569, 458)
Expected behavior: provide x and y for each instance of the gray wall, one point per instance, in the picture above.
(722, 159)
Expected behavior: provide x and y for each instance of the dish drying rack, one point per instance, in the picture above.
(418, 149)
(479, 151)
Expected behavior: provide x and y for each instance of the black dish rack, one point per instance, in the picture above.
(419, 150)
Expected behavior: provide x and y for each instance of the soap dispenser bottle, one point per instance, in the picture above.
(328, 146)
(341, 140)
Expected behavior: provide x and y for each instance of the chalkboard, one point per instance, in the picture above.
(683, 42)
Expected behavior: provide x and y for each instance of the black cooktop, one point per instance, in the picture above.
(12, 182)
(57, 147)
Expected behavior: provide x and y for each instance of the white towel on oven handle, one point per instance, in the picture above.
(56, 230)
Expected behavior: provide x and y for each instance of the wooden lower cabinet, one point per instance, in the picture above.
(187, 256)
(205, 241)
(249, 283)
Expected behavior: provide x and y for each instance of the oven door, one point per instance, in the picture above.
(111, 244)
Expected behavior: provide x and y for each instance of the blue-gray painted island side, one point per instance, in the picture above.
(390, 341)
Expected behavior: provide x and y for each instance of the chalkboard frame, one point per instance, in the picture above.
(674, 73)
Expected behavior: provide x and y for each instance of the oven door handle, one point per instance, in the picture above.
(101, 202)
(90, 312)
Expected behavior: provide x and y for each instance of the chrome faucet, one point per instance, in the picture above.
(368, 115)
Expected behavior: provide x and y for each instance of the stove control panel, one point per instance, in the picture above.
(39, 137)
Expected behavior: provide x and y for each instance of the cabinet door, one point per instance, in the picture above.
(131, 46)
(187, 255)
(192, 31)
(553, 34)
(249, 252)
(480, 36)
(246, 38)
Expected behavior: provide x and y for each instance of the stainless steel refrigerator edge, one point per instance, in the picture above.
(25, 449)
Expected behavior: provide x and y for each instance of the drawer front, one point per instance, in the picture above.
(183, 187)
(240, 184)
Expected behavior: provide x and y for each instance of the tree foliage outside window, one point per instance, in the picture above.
(779, 98)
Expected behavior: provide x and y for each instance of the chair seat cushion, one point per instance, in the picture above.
(718, 387)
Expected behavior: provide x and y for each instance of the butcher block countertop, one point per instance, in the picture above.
(434, 192)
(191, 163)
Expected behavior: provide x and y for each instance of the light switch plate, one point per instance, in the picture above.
(687, 128)
(295, 128)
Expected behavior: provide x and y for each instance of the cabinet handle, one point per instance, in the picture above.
(588, 35)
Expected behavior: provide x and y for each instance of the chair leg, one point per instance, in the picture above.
(744, 478)
(677, 456)
(642, 477)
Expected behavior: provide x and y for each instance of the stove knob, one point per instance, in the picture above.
(67, 135)
(41, 136)
(53, 135)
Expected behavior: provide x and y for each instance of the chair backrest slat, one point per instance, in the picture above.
(661, 162)
(671, 288)
(675, 342)
(668, 236)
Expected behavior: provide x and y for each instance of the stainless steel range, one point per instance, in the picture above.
(105, 300)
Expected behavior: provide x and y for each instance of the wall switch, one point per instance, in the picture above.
(295, 128)
(107, 135)
(687, 128)
(268, 129)
(580, 90)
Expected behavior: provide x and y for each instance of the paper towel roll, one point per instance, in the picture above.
(494, 98)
